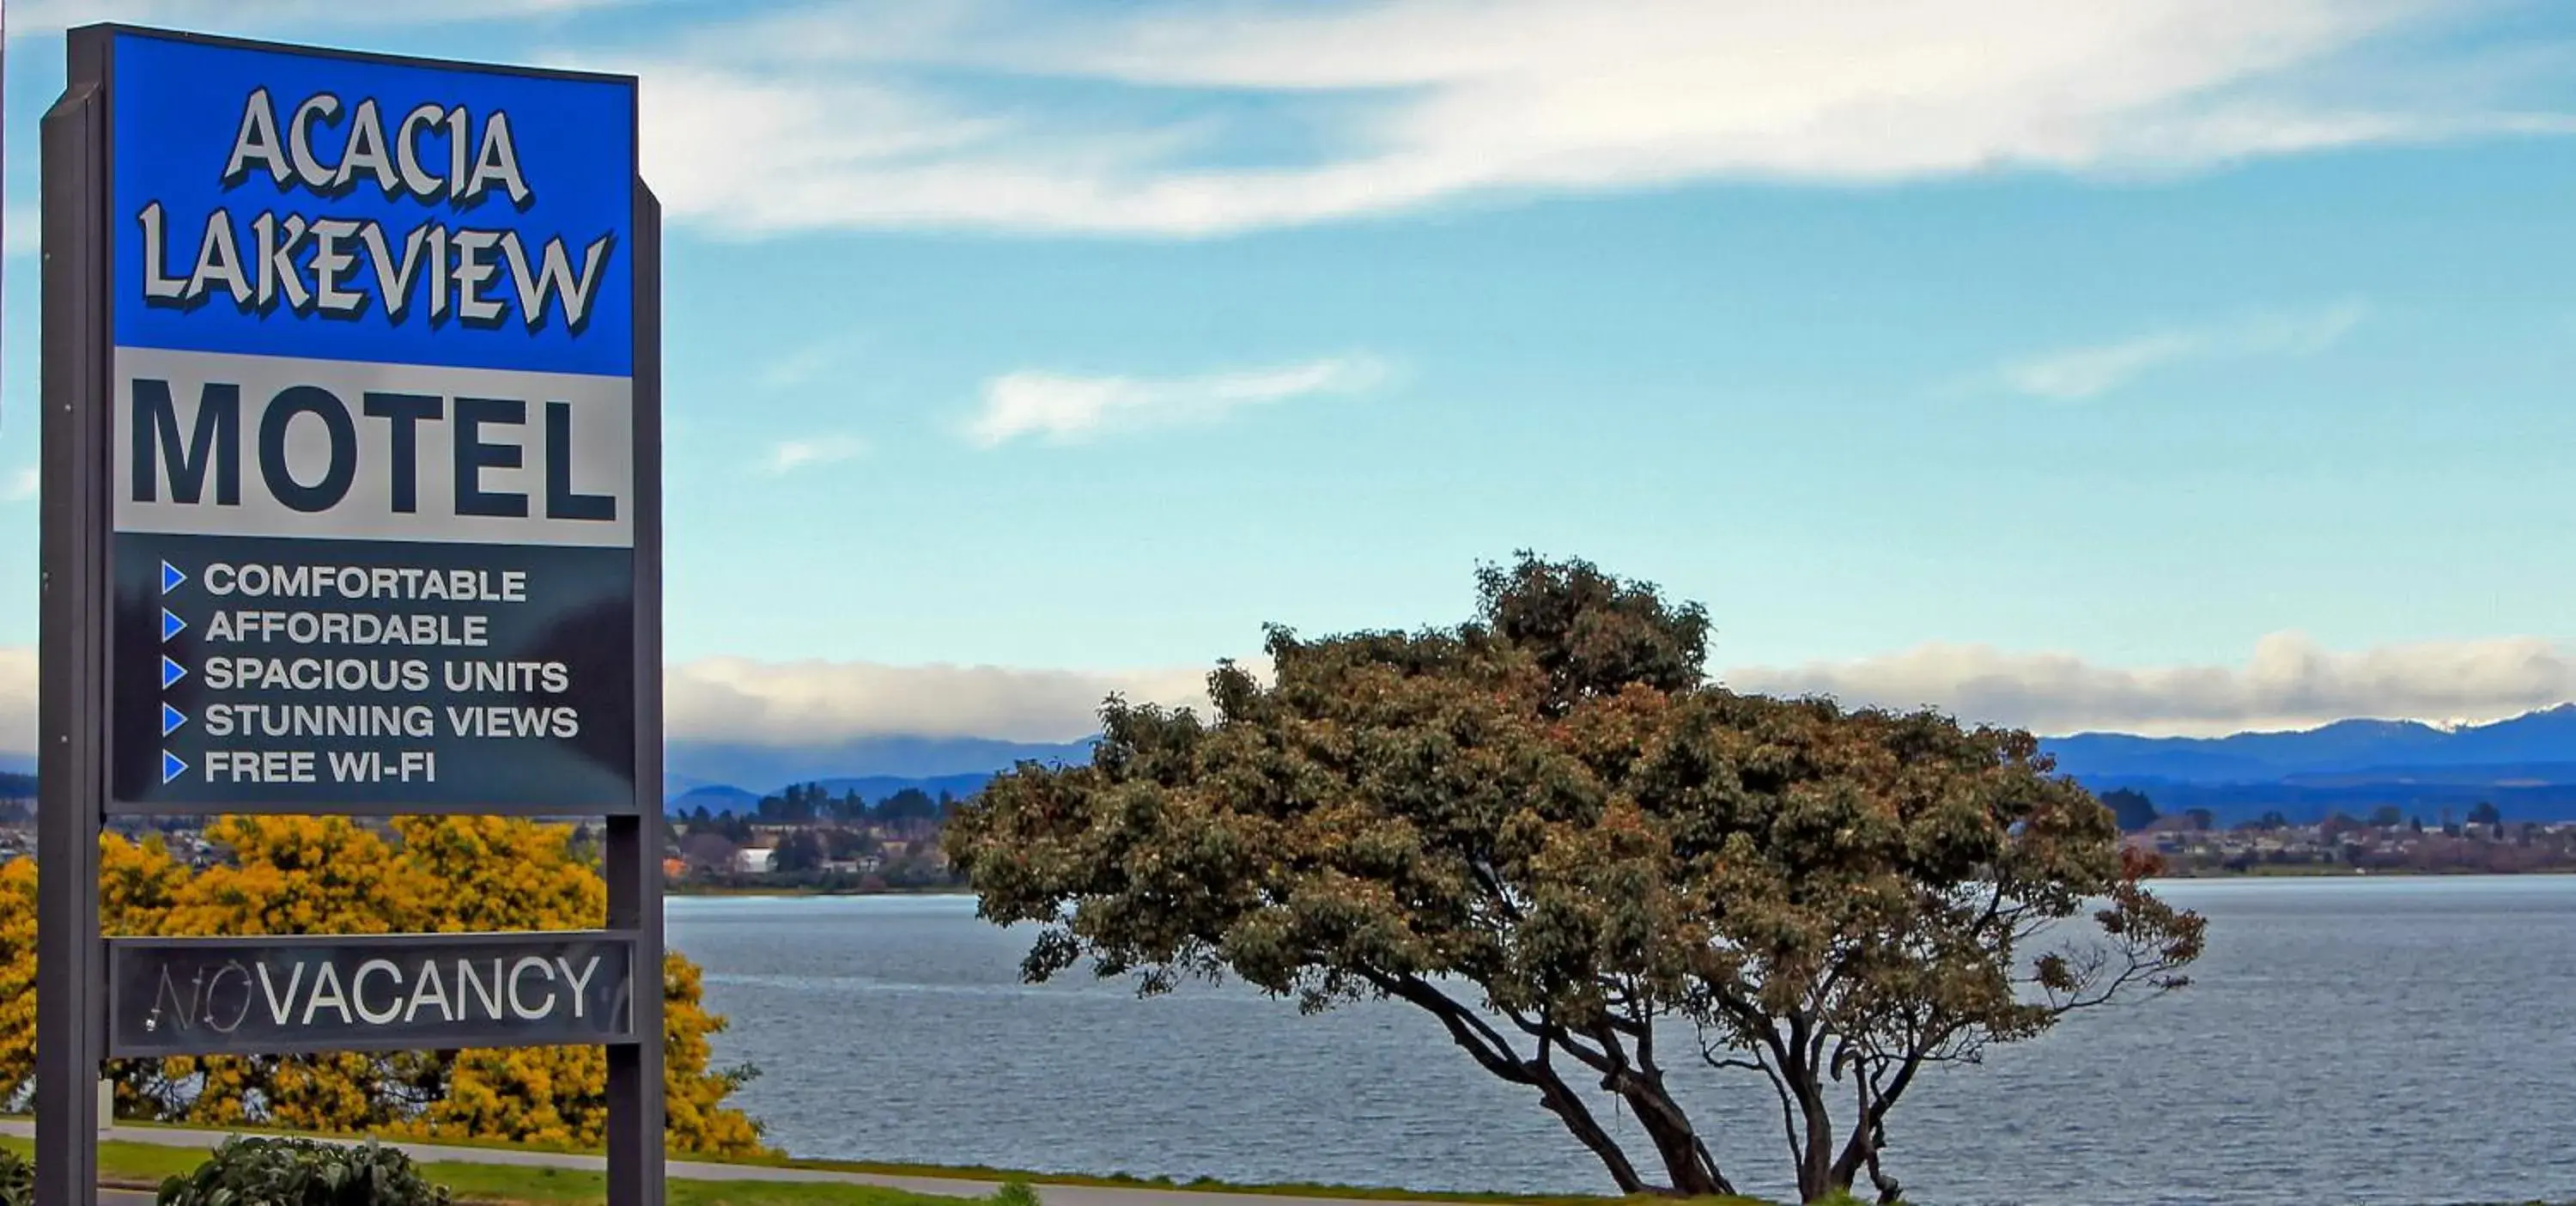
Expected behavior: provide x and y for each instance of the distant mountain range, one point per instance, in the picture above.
(721, 775)
(2526, 766)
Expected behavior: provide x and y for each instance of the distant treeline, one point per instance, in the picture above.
(810, 804)
(2136, 812)
(2308, 804)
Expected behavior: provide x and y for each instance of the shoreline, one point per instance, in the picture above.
(2290, 874)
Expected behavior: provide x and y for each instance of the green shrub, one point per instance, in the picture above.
(17, 1180)
(1016, 1193)
(302, 1172)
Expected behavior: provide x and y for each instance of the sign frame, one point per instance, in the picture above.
(76, 612)
(125, 950)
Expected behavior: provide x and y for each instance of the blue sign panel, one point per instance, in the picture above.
(374, 456)
(340, 208)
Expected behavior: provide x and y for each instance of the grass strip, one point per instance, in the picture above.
(969, 1172)
(144, 1165)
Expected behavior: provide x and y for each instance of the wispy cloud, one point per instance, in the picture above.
(788, 456)
(2288, 682)
(878, 113)
(1065, 408)
(2073, 374)
(22, 485)
(800, 367)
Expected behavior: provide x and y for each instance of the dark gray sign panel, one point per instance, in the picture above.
(374, 443)
(244, 996)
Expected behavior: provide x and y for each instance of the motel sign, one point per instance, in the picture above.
(351, 379)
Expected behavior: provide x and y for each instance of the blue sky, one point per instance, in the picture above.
(2185, 367)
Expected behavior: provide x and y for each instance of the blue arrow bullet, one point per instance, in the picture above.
(171, 671)
(171, 766)
(171, 625)
(171, 578)
(171, 718)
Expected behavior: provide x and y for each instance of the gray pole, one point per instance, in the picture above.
(73, 616)
(634, 845)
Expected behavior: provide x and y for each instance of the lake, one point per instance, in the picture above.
(2373, 1041)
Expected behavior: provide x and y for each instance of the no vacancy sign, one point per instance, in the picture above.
(373, 460)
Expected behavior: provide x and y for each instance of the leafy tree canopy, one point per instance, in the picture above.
(1597, 870)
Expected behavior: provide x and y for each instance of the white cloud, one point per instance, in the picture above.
(1064, 408)
(823, 118)
(2289, 682)
(789, 703)
(2078, 373)
(788, 456)
(17, 699)
(786, 703)
(23, 485)
(21, 231)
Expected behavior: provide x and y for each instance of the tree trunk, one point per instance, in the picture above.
(1569, 1109)
(1496, 1055)
(1816, 1179)
(1686, 1158)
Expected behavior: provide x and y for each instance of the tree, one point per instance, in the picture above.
(907, 806)
(2387, 816)
(801, 850)
(707, 851)
(2484, 813)
(2131, 810)
(301, 875)
(1596, 870)
(2202, 820)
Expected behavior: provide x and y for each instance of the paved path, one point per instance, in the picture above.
(691, 1170)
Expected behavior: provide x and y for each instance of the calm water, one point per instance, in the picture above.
(2399, 1042)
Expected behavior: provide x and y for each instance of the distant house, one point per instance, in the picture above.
(756, 860)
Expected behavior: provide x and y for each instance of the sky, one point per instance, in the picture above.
(2171, 366)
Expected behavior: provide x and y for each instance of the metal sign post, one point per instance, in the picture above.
(351, 505)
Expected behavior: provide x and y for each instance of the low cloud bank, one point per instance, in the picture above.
(796, 703)
(2288, 682)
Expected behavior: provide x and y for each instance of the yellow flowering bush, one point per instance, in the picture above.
(318, 875)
